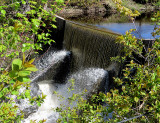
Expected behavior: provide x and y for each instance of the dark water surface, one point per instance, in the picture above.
(119, 24)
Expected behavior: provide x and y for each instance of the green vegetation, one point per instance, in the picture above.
(84, 4)
(140, 5)
(84, 111)
(135, 95)
(19, 23)
(114, 18)
(138, 92)
(135, 5)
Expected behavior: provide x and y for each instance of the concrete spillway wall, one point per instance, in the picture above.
(90, 47)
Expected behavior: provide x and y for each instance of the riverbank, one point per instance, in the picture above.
(104, 6)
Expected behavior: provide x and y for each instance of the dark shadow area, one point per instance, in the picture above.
(56, 34)
(64, 69)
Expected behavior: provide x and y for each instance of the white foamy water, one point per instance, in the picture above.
(48, 59)
(45, 111)
(90, 79)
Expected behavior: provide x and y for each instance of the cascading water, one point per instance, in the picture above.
(86, 59)
(91, 79)
(48, 66)
(50, 63)
(90, 47)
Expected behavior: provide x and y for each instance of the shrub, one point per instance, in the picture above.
(135, 97)
(19, 23)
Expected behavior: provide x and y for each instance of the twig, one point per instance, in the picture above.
(133, 21)
(131, 118)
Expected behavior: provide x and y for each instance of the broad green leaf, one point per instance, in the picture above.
(31, 61)
(23, 58)
(39, 104)
(1, 94)
(24, 73)
(23, 2)
(19, 97)
(3, 12)
(23, 79)
(13, 74)
(59, 1)
(143, 93)
(32, 69)
(12, 81)
(28, 65)
(27, 94)
(16, 64)
(54, 26)
(20, 15)
(136, 99)
(26, 79)
(32, 2)
(17, 26)
(15, 92)
(153, 19)
(36, 22)
(2, 47)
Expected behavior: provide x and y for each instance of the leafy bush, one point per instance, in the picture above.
(135, 97)
(79, 109)
(19, 23)
(140, 83)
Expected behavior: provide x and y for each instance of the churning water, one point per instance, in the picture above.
(91, 79)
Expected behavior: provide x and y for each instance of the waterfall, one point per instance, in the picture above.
(85, 58)
(90, 47)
